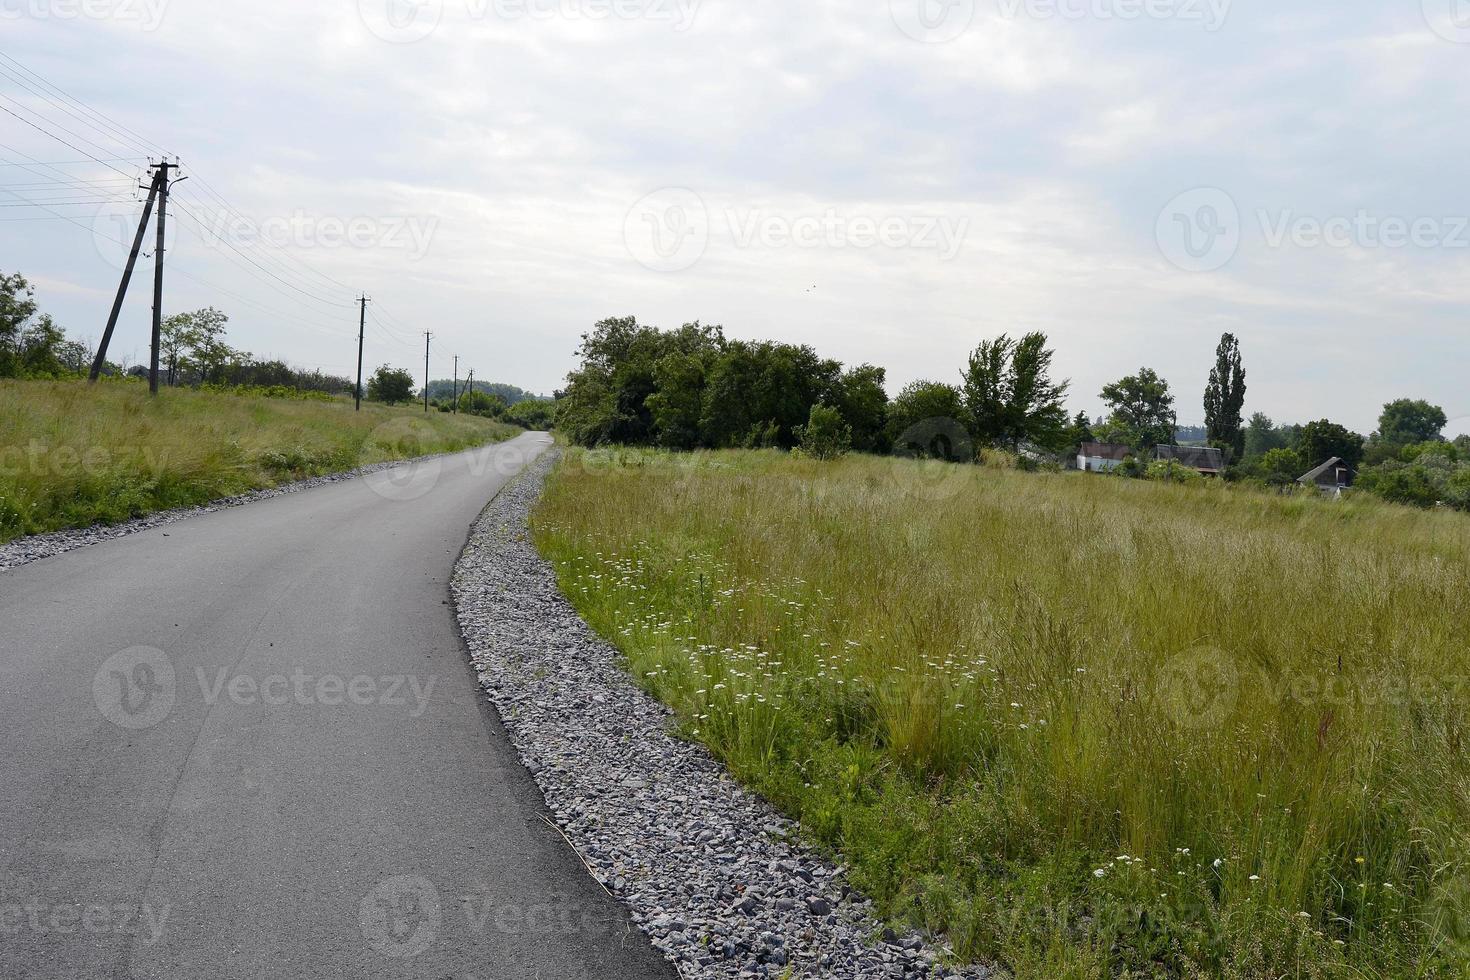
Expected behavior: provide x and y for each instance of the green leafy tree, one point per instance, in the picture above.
(1142, 410)
(825, 435)
(1009, 395)
(532, 413)
(481, 403)
(390, 385)
(678, 399)
(1407, 421)
(1262, 435)
(925, 420)
(1321, 440)
(863, 404)
(17, 306)
(1280, 467)
(40, 343)
(1225, 398)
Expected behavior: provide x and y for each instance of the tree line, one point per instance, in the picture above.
(693, 388)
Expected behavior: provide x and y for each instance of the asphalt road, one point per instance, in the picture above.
(250, 745)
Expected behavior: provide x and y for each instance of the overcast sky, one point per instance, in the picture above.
(888, 182)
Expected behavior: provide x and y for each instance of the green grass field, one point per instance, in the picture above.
(73, 454)
(1083, 726)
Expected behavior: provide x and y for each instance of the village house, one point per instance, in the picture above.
(1332, 477)
(1101, 457)
(1202, 459)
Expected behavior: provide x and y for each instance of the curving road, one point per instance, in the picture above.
(249, 745)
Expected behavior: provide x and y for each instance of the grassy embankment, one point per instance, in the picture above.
(72, 455)
(1084, 726)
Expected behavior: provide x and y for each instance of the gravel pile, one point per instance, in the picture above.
(24, 550)
(710, 872)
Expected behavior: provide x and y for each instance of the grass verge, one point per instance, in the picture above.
(1086, 727)
(73, 454)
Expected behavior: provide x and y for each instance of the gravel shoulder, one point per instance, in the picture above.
(711, 873)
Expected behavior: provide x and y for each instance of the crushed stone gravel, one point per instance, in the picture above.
(718, 881)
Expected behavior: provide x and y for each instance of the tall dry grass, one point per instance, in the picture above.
(1081, 725)
(73, 454)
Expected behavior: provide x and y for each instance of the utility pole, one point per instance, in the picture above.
(454, 408)
(122, 287)
(163, 167)
(361, 324)
(427, 335)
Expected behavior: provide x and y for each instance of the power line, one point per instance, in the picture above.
(119, 127)
(58, 138)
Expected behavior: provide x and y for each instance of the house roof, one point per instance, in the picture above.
(1203, 458)
(1312, 475)
(1105, 450)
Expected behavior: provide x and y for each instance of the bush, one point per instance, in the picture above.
(1171, 471)
(825, 435)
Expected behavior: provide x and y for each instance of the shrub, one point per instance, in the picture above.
(825, 435)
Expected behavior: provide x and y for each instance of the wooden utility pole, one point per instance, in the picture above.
(163, 167)
(454, 408)
(427, 335)
(361, 324)
(122, 287)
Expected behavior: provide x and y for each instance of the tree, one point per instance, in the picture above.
(1009, 395)
(17, 306)
(40, 344)
(390, 386)
(677, 400)
(1142, 410)
(825, 435)
(1262, 435)
(1224, 399)
(1280, 467)
(924, 420)
(863, 404)
(1407, 421)
(479, 403)
(1321, 440)
(532, 414)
